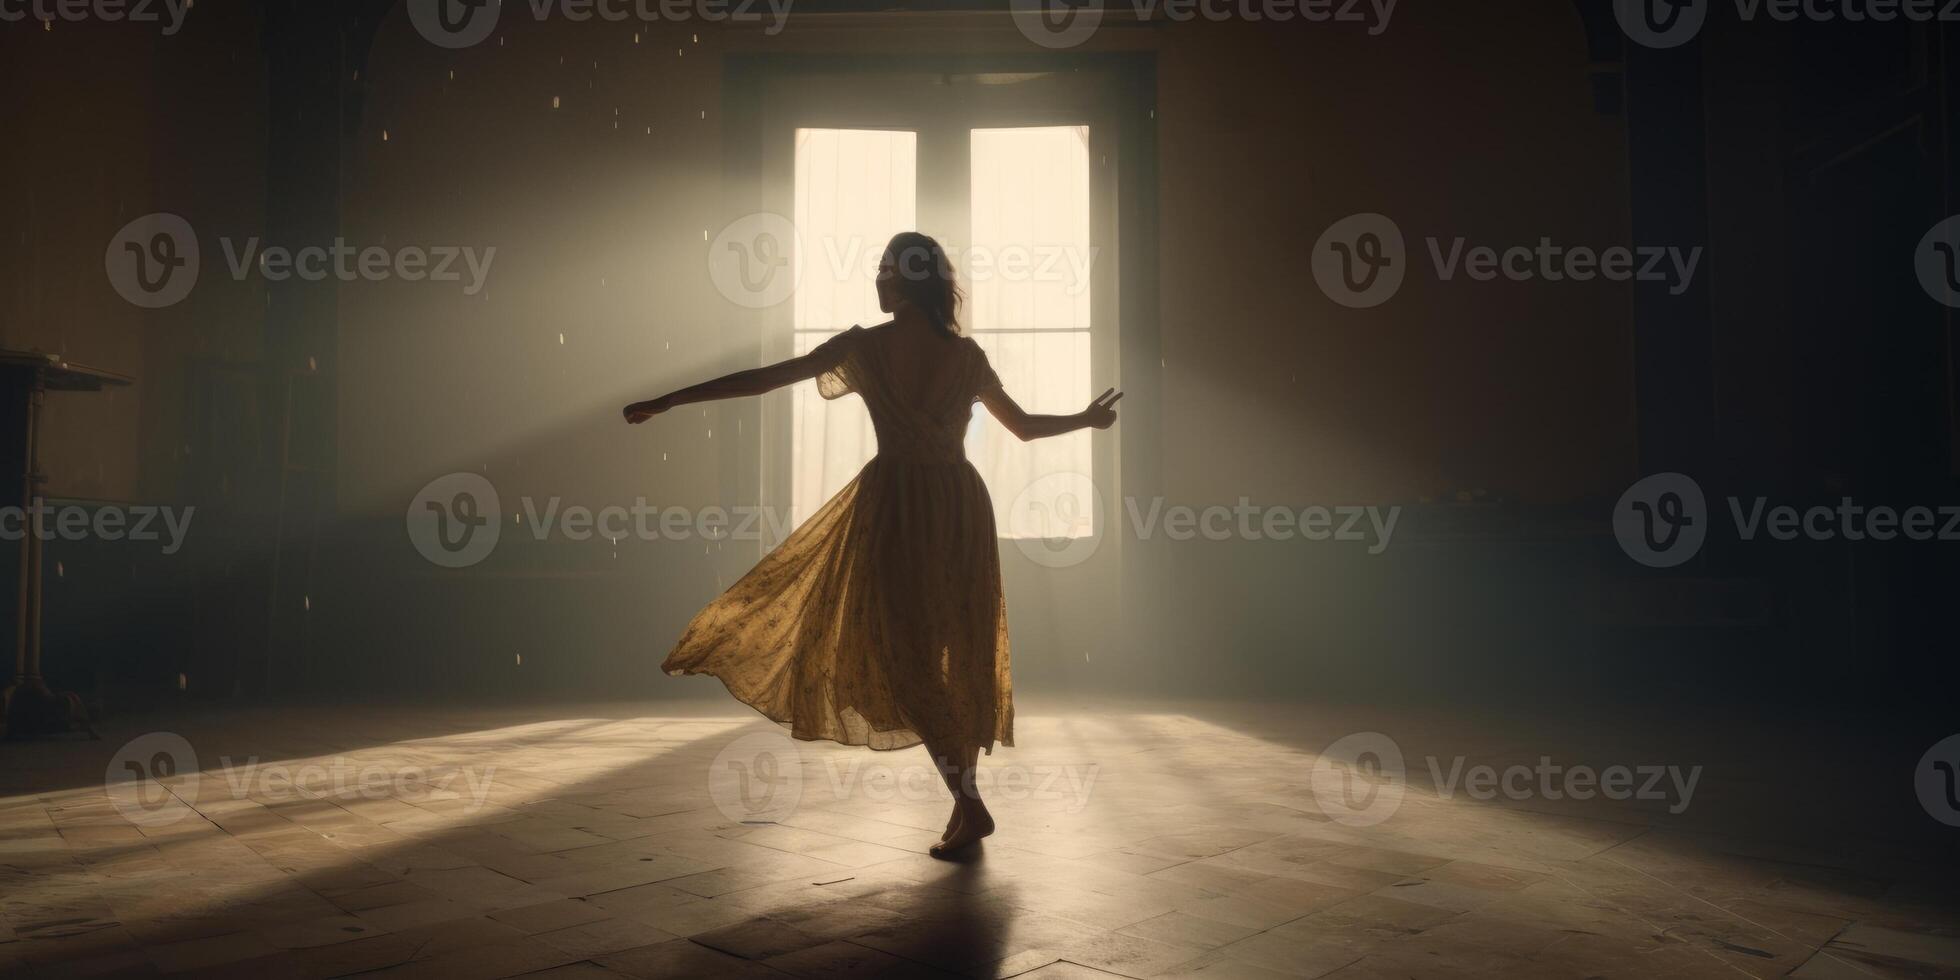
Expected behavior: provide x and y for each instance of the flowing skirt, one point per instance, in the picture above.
(878, 622)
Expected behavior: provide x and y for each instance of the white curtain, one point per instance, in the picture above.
(855, 189)
(1028, 306)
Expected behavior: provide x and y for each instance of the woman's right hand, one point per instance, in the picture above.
(1101, 413)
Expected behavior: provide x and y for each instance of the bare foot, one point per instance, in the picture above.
(967, 832)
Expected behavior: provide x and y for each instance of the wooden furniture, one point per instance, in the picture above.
(28, 708)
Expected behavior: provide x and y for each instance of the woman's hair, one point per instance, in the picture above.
(925, 278)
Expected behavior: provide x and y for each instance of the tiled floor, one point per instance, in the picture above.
(652, 840)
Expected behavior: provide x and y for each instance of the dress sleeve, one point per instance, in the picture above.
(841, 366)
(984, 377)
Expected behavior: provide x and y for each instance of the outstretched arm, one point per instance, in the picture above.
(754, 381)
(1099, 415)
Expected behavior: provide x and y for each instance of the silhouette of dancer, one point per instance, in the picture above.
(880, 621)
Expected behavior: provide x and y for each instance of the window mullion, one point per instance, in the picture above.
(944, 181)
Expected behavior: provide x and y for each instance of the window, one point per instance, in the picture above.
(855, 189)
(1026, 270)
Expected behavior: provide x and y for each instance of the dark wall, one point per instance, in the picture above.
(109, 122)
(598, 202)
(1505, 417)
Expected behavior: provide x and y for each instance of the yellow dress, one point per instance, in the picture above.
(879, 621)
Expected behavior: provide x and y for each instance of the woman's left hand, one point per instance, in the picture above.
(1101, 413)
